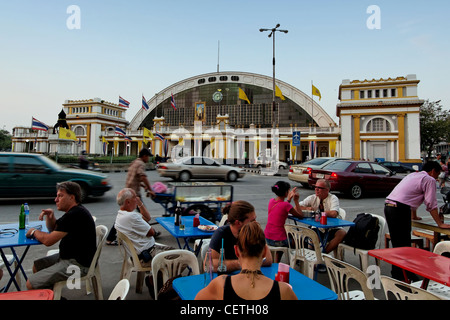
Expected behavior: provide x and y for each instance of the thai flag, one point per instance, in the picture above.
(172, 102)
(144, 104)
(38, 125)
(159, 136)
(120, 131)
(127, 138)
(123, 102)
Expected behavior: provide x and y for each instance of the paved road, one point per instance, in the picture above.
(253, 188)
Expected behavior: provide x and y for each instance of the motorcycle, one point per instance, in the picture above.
(445, 209)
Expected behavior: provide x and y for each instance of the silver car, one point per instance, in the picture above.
(198, 168)
(300, 172)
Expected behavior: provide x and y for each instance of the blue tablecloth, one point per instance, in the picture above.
(304, 287)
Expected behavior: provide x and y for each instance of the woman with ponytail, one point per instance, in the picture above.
(250, 283)
(278, 211)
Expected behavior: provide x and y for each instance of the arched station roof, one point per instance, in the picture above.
(302, 101)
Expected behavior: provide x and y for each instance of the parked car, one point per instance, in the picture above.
(31, 175)
(188, 168)
(397, 167)
(300, 172)
(356, 178)
(262, 162)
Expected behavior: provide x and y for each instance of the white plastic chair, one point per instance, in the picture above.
(434, 287)
(171, 264)
(403, 291)
(205, 242)
(274, 250)
(93, 274)
(303, 238)
(131, 262)
(120, 291)
(340, 273)
(10, 260)
(362, 253)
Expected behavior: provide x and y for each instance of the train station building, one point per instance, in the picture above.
(231, 115)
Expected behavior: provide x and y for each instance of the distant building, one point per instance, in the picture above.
(90, 120)
(209, 119)
(379, 119)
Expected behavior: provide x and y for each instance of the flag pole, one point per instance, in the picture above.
(312, 102)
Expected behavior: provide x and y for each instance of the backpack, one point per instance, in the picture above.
(364, 234)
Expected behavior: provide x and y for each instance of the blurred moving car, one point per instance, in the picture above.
(300, 172)
(188, 168)
(356, 178)
(397, 167)
(31, 175)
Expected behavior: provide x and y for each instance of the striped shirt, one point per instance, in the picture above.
(135, 172)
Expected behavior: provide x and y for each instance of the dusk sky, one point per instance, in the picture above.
(50, 53)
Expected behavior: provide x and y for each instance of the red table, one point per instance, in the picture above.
(43, 294)
(424, 263)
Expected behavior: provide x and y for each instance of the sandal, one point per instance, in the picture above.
(112, 243)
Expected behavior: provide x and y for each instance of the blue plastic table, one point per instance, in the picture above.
(10, 237)
(331, 223)
(304, 287)
(190, 231)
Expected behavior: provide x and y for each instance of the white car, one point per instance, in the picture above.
(189, 168)
(300, 172)
(260, 163)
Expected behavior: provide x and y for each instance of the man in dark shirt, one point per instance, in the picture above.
(239, 213)
(76, 232)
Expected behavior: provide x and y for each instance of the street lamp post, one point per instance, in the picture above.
(272, 32)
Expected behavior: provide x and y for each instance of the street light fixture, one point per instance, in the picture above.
(272, 32)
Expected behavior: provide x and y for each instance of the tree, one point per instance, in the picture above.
(434, 126)
(5, 140)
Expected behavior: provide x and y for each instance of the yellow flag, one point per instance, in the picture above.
(147, 134)
(316, 92)
(104, 140)
(67, 134)
(332, 148)
(278, 93)
(243, 96)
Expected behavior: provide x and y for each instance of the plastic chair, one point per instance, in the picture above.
(434, 287)
(340, 273)
(10, 259)
(302, 239)
(403, 291)
(274, 250)
(93, 275)
(171, 264)
(120, 291)
(362, 253)
(205, 242)
(131, 262)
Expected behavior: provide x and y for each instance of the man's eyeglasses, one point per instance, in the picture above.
(321, 188)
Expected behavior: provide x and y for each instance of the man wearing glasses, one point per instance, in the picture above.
(326, 202)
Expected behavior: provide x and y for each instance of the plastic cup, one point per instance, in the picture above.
(283, 272)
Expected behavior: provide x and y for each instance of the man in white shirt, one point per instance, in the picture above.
(135, 225)
(328, 203)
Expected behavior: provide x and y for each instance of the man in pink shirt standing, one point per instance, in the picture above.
(415, 189)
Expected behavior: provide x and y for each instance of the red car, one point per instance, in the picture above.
(356, 178)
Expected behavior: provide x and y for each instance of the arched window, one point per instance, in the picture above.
(378, 125)
(79, 131)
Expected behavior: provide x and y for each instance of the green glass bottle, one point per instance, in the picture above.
(22, 217)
